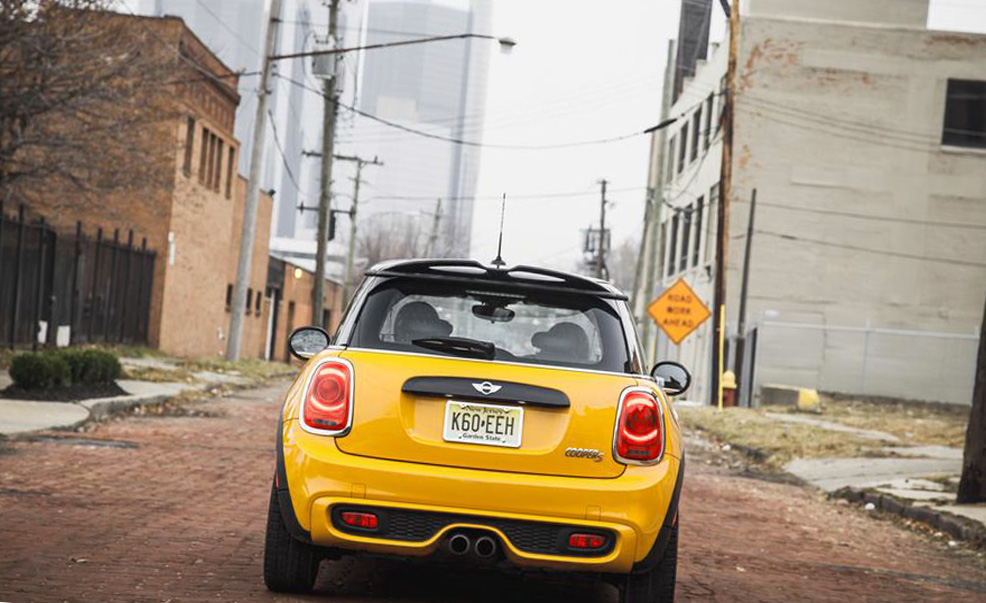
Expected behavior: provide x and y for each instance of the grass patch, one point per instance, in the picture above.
(156, 375)
(252, 369)
(913, 422)
(781, 441)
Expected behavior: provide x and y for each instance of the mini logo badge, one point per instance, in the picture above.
(486, 388)
(585, 453)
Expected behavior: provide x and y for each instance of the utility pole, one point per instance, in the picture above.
(436, 222)
(351, 255)
(601, 246)
(972, 485)
(249, 230)
(744, 286)
(325, 195)
(722, 213)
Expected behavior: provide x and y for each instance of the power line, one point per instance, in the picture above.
(510, 196)
(223, 24)
(898, 254)
(471, 143)
(280, 150)
(847, 214)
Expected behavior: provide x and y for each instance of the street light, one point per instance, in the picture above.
(506, 46)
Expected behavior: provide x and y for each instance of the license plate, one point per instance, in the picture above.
(487, 424)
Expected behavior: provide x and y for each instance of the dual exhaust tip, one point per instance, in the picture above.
(483, 547)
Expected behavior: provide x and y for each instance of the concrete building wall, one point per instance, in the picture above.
(848, 118)
(868, 264)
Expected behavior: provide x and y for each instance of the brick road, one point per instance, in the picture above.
(173, 510)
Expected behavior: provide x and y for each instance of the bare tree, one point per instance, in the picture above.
(622, 264)
(81, 91)
(391, 236)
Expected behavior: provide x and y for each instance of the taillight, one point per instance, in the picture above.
(328, 401)
(639, 428)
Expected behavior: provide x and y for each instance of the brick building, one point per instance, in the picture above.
(193, 221)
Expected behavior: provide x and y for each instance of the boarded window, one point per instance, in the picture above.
(707, 131)
(698, 216)
(672, 246)
(219, 166)
(682, 147)
(965, 114)
(203, 154)
(249, 301)
(229, 173)
(670, 174)
(189, 144)
(696, 132)
(229, 297)
(686, 233)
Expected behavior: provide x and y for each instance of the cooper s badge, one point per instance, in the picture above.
(585, 453)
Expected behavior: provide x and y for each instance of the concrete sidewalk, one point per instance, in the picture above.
(909, 477)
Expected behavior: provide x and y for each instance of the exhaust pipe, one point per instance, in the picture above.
(485, 547)
(459, 544)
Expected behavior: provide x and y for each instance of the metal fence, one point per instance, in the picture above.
(63, 290)
(866, 360)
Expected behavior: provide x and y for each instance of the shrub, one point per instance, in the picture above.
(91, 367)
(61, 368)
(39, 371)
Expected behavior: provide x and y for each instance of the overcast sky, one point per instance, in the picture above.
(581, 71)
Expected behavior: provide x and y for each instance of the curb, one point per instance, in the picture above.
(956, 526)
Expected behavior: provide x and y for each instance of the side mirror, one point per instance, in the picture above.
(305, 342)
(673, 377)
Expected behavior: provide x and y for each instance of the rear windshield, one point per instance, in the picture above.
(510, 325)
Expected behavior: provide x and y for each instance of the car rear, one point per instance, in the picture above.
(488, 414)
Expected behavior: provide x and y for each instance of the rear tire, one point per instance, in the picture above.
(656, 585)
(290, 566)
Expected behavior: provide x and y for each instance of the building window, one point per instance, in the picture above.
(673, 246)
(326, 318)
(696, 132)
(671, 147)
(219, 166)
(229, 173)
(965, 114)
(249, 301)
(723, 101)
(229, 297)
(686, 233)
(256, 305)
(189, 143)
(211, 159)
(710, 227)
(682, 148)
(699, 215)
(203, 154)
(707, 131)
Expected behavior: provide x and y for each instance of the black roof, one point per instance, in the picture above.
(471, 271)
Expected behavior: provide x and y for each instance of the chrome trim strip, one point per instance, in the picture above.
(352, 398)
(500, 362)
(616, 427)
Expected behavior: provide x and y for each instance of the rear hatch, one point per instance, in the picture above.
(458, 412)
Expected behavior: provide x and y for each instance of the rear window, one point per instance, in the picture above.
(510, 325)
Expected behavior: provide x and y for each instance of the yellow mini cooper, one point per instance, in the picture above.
(472, 413)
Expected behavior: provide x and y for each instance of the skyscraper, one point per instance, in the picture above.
(438, 88)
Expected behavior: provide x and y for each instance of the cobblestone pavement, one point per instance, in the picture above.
(172, 509)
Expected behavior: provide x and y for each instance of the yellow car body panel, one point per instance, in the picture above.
(421, 472)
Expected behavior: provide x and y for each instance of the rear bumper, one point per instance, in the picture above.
(314, 476)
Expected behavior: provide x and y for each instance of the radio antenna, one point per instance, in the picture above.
(498, 262)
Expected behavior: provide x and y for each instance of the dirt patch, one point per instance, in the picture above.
(774, 442)
(65, 394)
(912, 422)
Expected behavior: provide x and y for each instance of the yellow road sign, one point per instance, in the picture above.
(678, 311)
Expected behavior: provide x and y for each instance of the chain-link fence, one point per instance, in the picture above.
(866, 360)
